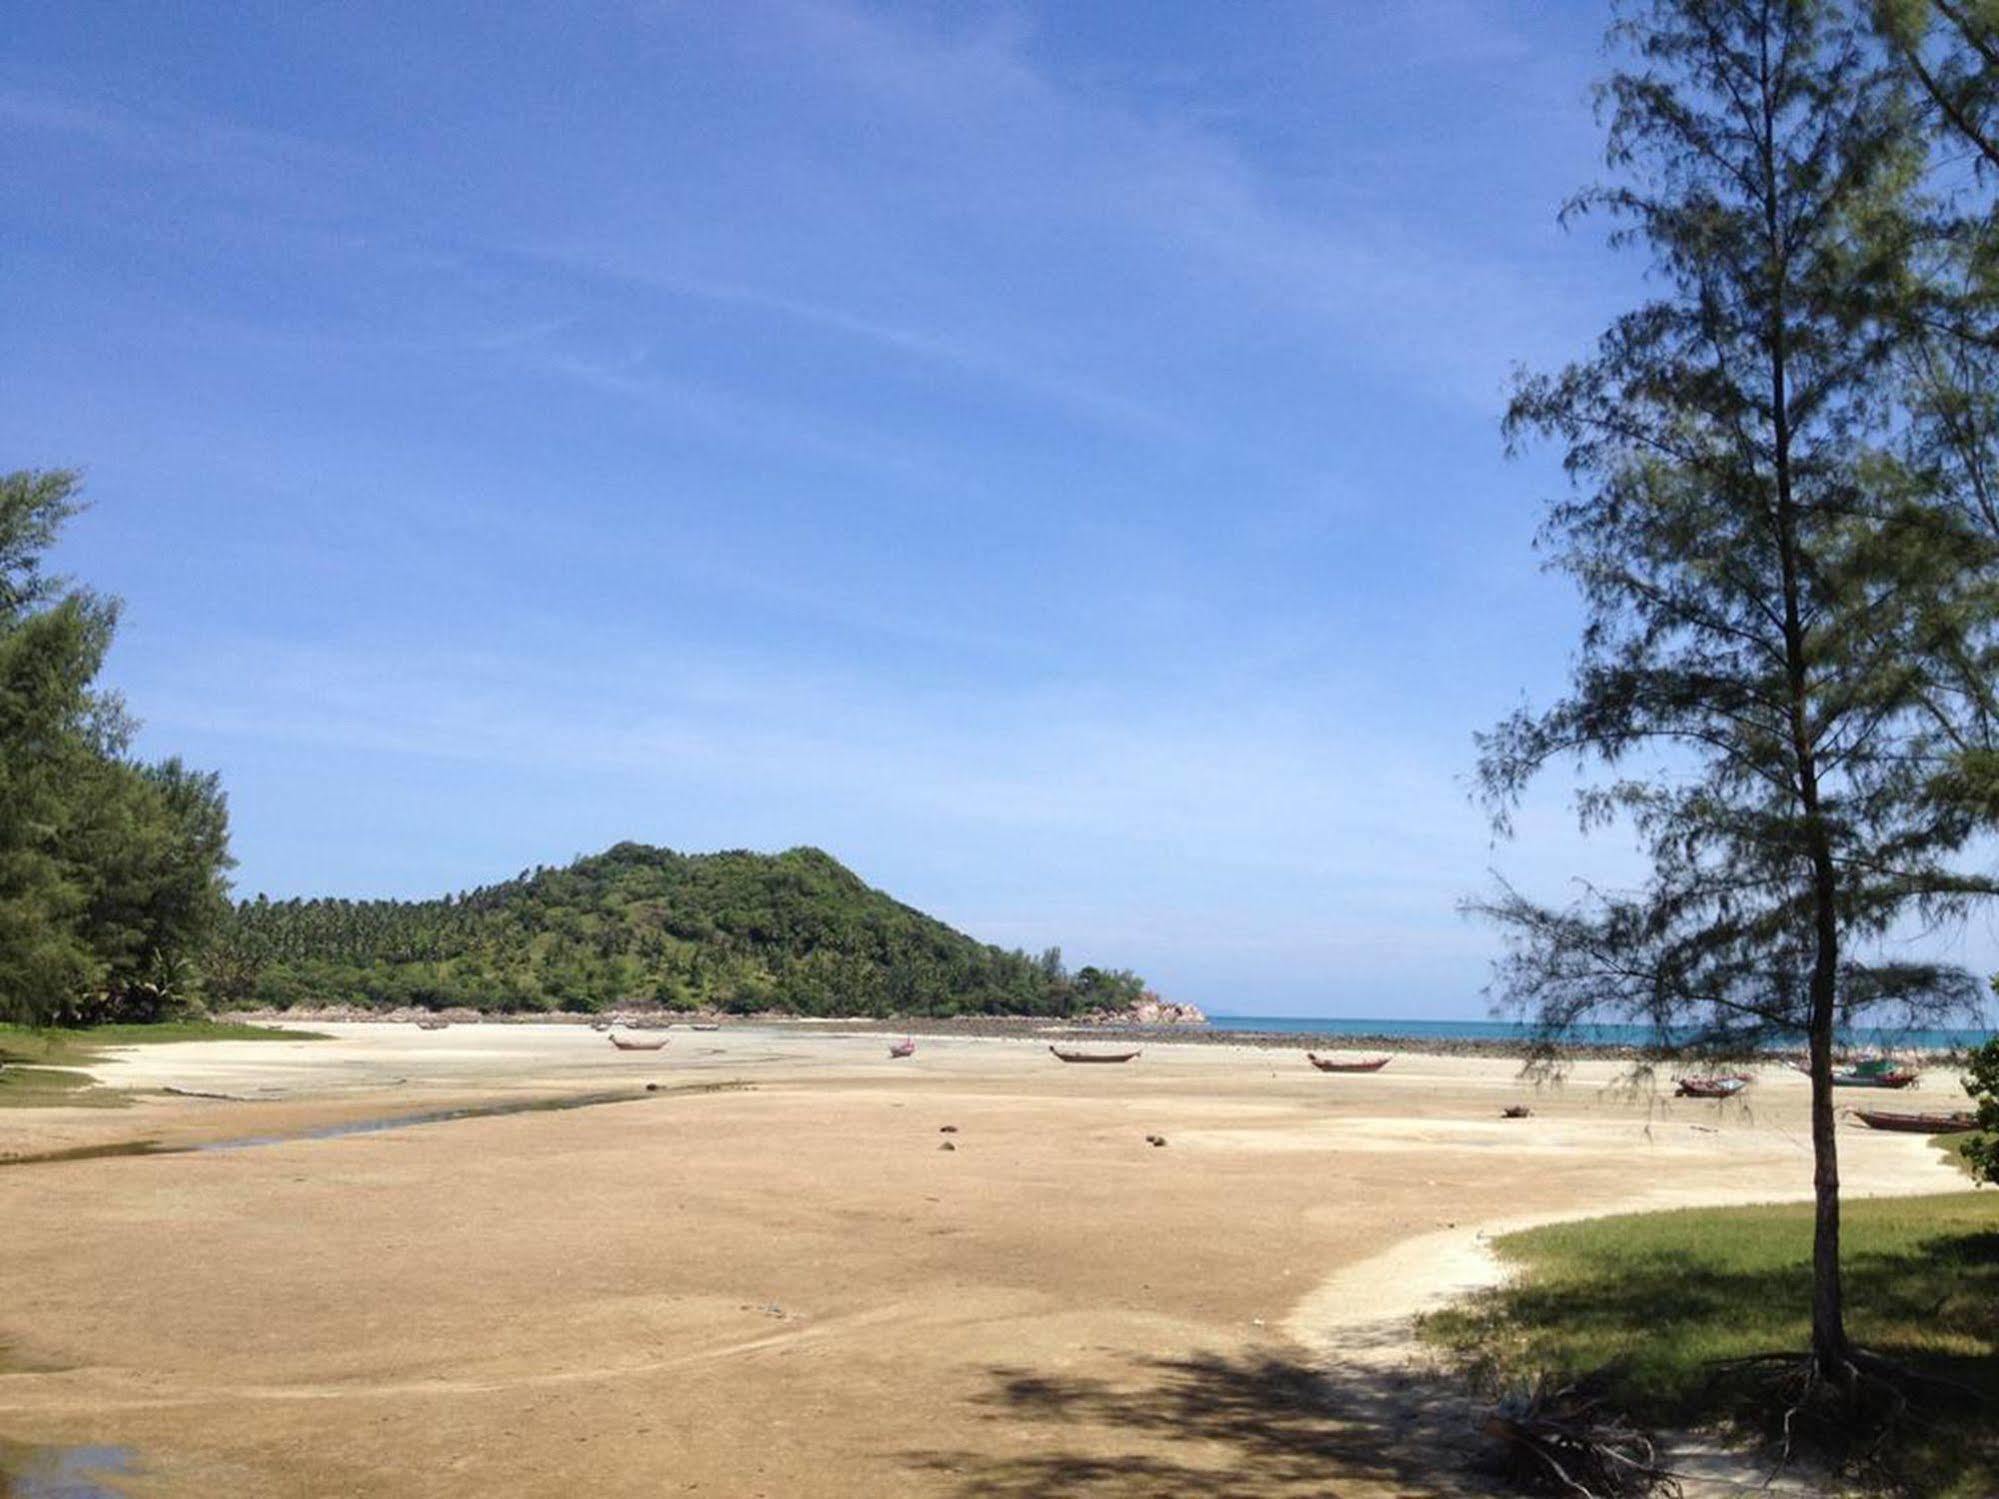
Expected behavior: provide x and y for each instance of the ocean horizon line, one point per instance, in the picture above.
(1604, 1033)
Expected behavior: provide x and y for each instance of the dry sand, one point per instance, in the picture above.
(790, 1288)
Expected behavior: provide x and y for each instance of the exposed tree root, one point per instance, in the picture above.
(1562, 1441)
(1851, 1410)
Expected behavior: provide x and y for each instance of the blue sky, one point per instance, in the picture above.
(1046, 455)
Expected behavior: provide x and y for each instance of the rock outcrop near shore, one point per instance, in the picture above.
(1150, 1009)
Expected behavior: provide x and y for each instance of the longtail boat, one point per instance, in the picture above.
(1876, 1072)
(1869, 1077)
(1334, 1064)
(903, 1048)
(1092, 1056)
(432, 1023)
(637, 1043)
(1710, 1087)
(1918, 1124)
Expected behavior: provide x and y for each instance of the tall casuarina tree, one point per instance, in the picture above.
(1776, 605)
(112, 872)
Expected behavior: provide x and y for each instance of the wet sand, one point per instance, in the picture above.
(785, 1285)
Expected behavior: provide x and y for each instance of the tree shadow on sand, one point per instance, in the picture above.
(1261, 1426)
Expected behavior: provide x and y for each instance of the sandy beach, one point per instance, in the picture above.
(770, 1277)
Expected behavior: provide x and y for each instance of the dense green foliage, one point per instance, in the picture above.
(1648, 1307)
(111, 871)
(1981, 1151)
(795, 931)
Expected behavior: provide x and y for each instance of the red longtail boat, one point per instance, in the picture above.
(1917, 1124)
(1711, 1087)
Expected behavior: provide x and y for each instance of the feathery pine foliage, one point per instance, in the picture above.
(1948, 52)
(1950, 49)
(739, 931)
(1781, 596)
(111, 871)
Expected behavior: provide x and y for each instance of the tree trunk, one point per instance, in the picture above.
(1829, 1347)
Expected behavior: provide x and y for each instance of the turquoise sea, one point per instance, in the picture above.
(1507, 1030)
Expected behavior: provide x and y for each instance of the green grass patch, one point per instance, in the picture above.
(37, 1065)
(165, 1031)
(53, 1087)
(54, 1043)
(1647, 1306)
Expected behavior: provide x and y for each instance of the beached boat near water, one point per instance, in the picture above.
(1917, 1124)
(906, 1047)
(432, 1023)
(638, 1043)
(1334, 1064)
(1710, 1087)
(704, 1027)
(1092, 1056)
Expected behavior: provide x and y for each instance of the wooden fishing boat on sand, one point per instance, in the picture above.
(906, 1047)
(1866, 1077)
(1334, 1064)
(432, 1023)
(1917, 1124)
(1711, 1087)
(1092, 1056)
(1877, 1072)
(638, 1043)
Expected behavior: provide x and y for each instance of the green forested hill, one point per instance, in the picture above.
(794, 931)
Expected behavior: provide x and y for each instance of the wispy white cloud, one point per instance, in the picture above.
(982, 152)
(746, 420)
(1026, 148)
(244, 160)
(983, 361)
